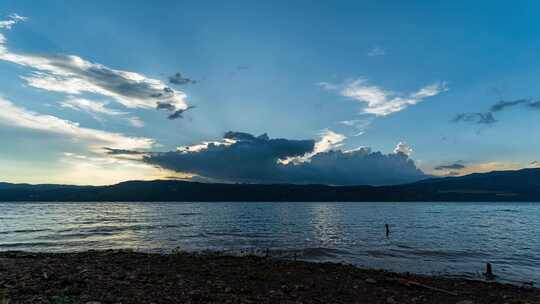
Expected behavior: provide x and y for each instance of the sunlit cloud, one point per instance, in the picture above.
(106, 170)
(461, 168)
(97, 109)
(534, 164)
(403, 147)
(90, 106)
(328, 140)
(18, 117)
(378, 101)
(71, 74)
(381, 102)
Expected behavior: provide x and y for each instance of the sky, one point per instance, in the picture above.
(341, 92)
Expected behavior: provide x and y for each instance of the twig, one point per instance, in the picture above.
(417, 284)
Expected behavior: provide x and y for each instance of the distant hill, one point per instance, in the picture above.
(520, 185)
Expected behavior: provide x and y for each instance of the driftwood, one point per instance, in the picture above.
(418, 284)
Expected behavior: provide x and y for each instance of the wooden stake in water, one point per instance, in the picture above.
(387, 229)
(489, 272)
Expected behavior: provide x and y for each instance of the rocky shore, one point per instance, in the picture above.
(131, 277)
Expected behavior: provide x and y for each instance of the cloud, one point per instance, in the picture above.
(164, 106)
(535, 105)
(381, 102)
(248, 158)
(178, 113)
(328, 140)
(89, 106)
(359, 125)
(105, 170)
(71, 74)
(403, 147)
(502, 105)
(243, 157)
(178, 79)
(136, 122)
(459, 169)
(454, 166)
(486, 118)
(376, 51)
(13, 116)
(12, 20)
(534, 164)
(97, 108)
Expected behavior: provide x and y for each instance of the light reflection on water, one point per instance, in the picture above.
(448, 238)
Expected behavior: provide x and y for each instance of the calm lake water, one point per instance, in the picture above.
(441, 238)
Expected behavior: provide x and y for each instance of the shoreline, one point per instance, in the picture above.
(123, 276)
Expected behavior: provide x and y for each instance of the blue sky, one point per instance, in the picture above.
(358, 73)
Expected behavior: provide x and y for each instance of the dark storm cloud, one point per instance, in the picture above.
(360, 167)
(488, 118)
(112, 151)
(478, 118)
(501, 105)
(165, 106)
(247, 158)
(178, 113)
(169, 107)
(178, 79)
(455, 166)
(534, 104)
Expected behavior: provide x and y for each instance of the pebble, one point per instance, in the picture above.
(390, 300)
(371, 281)
(465, 302)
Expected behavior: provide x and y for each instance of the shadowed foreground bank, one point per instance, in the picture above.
(130, 277)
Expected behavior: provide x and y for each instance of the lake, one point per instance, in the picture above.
(455, 239)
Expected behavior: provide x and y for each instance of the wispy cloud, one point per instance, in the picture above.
(74, 75)
(97, 109)
(178, 79)
(381, 102)
(14, 116)
(460, 167)
(359, 125)
(11, 21)
(486, 118)
(376, 51)
(90, 106)
(454, 166)
(136, 122)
